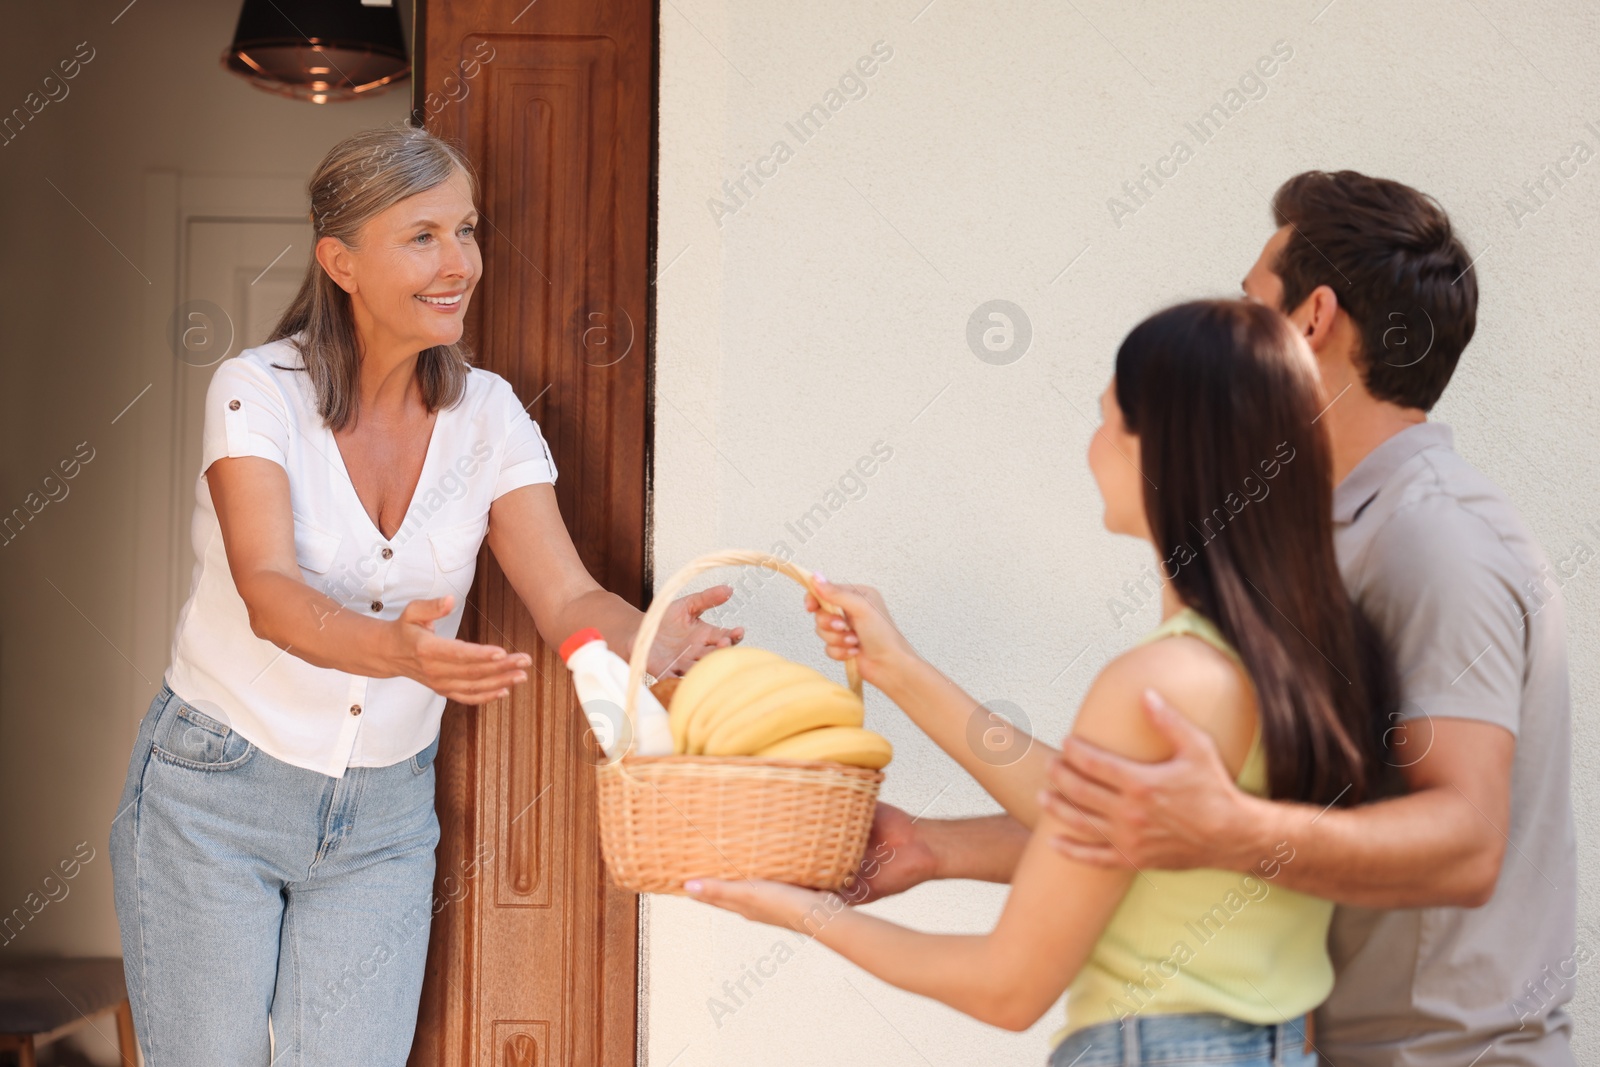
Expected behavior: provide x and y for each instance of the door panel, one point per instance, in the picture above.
(239, 276)
(533, 952)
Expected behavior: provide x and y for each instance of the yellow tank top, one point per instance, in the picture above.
(1216, 941)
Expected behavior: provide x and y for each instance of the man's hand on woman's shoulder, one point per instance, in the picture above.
(1178, 814)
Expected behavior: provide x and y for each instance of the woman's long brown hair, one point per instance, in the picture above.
(1239, 496)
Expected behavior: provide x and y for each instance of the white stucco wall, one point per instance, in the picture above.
(828, 311)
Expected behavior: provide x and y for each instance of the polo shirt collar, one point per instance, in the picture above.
(1369, 476)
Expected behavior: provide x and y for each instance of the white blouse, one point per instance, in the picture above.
(315, 717)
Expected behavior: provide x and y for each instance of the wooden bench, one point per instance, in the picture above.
(43, 999)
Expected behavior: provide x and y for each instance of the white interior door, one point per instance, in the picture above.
(239, 275)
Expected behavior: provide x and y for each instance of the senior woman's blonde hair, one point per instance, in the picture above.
(360, 177)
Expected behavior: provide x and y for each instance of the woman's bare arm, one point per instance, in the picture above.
(530, 541)
(251, 497)
(1008, 763)
(1011, 976)
(1440, 845)
(1057, 908)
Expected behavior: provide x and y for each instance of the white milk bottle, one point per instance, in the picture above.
(601, 678)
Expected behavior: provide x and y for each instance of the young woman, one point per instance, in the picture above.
(273, 854)
(1210, 450)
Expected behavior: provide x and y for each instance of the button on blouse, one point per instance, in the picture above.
(260, 404)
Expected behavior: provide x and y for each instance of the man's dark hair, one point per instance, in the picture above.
(1389, 254)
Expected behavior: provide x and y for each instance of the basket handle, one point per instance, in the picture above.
(650, 625)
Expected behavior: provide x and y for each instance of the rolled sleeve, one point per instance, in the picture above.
(525, 458)
(245, 415)
(1447, 593)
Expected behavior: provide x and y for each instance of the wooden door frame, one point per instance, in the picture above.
(606, 998)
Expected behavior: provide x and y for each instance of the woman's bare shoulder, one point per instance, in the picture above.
(1200, 681)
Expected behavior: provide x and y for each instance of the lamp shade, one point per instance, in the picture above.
(318, 50)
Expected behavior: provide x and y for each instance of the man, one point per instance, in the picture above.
(1454, 943)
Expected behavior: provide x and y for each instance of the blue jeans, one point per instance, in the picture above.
(248, 888)
(1185, 1039)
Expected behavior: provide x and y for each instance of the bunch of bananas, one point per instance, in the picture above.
(749, 702)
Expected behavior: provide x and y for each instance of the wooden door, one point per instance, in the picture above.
(238, 276)
(532, 961)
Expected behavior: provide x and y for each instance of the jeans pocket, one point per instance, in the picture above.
(424, 759)
(188, 737)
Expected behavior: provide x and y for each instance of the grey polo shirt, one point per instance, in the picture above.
(1442, 563)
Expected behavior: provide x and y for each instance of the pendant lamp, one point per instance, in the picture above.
(318, 50)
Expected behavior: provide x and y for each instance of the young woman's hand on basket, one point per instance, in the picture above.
(866, 633)
(763, 901)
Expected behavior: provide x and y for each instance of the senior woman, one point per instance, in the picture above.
(274, 855)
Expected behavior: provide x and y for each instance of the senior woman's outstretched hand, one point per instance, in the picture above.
(684, 637)
(460, 670)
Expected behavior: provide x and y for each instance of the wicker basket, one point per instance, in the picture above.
(666, 819)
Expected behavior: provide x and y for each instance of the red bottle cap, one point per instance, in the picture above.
(578, 640)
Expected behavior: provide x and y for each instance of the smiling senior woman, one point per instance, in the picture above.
(274, 851)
